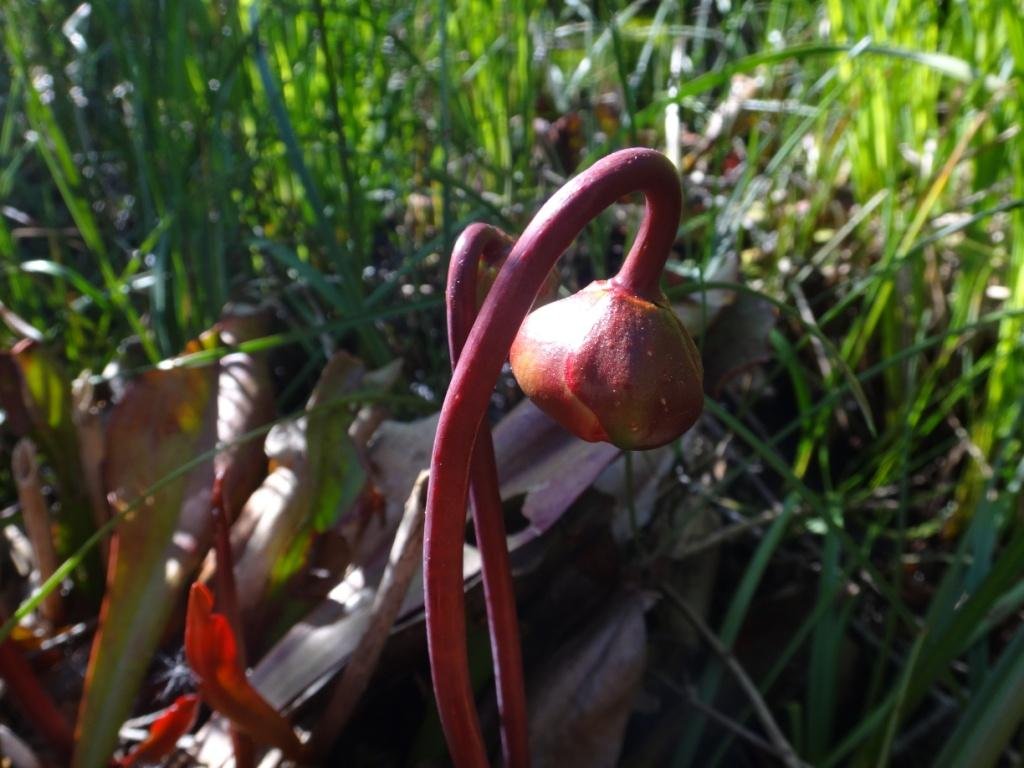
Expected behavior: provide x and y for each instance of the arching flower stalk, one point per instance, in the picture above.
(609, 363)
(478, 253)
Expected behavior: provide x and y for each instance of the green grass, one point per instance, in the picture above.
(323, 156)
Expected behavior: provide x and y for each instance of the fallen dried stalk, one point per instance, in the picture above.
(727, 534)
(740, 731)
(25, 469)
(785, 750)
(402, 564)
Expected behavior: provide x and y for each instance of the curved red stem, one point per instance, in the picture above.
(550, 232)
(478, 242)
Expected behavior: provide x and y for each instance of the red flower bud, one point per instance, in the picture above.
(609, 365)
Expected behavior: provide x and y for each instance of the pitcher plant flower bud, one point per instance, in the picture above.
(610, 363)
(611, 366)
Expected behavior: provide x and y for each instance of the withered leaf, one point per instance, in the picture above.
(581, 700)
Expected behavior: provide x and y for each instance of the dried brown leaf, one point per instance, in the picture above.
(540, 459)
(245, 401)
(737, 341)
(581, 700)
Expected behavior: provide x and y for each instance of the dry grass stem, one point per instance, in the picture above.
(403, 561)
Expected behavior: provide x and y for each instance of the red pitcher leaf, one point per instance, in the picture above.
(165, 420)
(171, 725)
(245, 402)
(213, 655)
(321, 642)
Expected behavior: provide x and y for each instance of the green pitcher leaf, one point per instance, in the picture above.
(165, 419)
